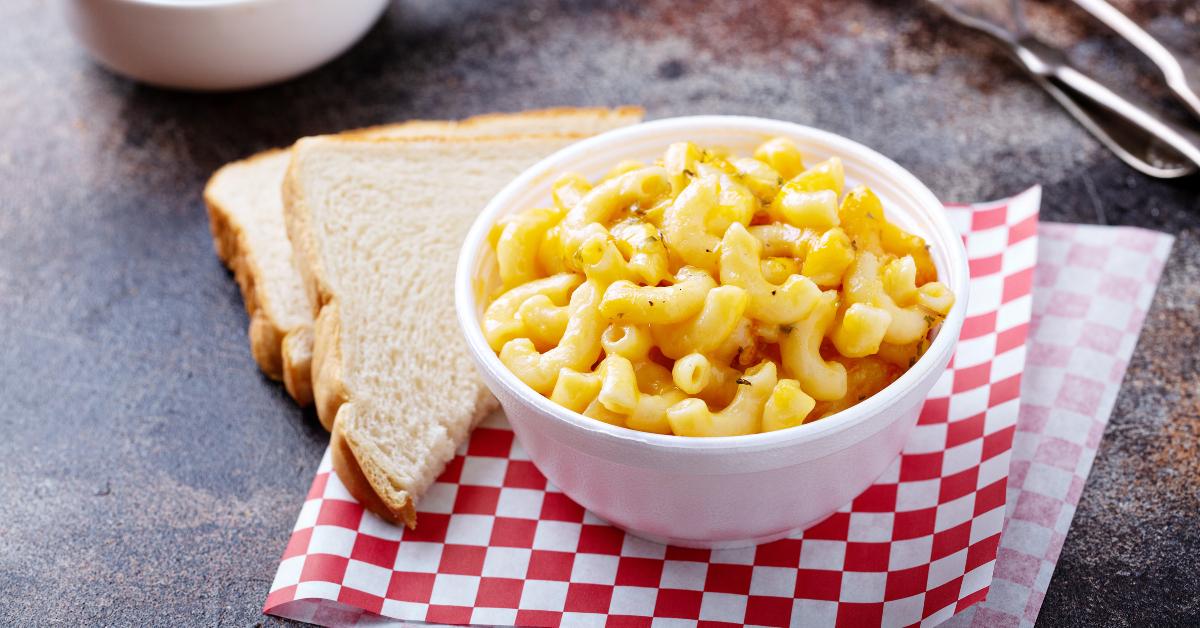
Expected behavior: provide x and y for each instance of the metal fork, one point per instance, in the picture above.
(1172, 70)
(1138, 137)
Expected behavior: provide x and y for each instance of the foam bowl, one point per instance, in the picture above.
(211, 45)
(726, 491)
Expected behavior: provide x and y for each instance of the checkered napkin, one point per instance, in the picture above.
(1092, 289)
(498, 545)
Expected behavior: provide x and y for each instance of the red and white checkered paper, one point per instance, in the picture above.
(1092, 289)
(498, 545)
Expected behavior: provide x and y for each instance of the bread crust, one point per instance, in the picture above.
(381, 131)
(297, 352)
(329, 389)
(296, 213)
(345, 464)
(229, 239)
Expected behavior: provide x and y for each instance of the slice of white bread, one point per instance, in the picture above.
(377, 226)
(245, 212)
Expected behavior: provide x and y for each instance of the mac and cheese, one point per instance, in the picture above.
(711, 295)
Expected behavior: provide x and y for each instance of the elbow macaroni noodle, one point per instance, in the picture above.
(711, 295)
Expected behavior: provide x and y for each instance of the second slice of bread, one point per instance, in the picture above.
(377, 227)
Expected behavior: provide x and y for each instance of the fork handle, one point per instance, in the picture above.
(1125, 128)
(1131, 117)
(1167, 63)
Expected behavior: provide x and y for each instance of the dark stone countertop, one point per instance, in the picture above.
(150, 475)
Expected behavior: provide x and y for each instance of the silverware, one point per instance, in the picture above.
(1136, 136)
(1170, 67)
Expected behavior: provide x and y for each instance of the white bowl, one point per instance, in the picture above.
(218, 44)
(727, 491)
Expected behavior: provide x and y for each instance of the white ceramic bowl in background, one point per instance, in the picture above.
(727, 491)
(218, 44)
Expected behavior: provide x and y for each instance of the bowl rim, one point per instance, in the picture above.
(561, 160)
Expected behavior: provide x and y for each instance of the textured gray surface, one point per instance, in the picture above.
(151, 476)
